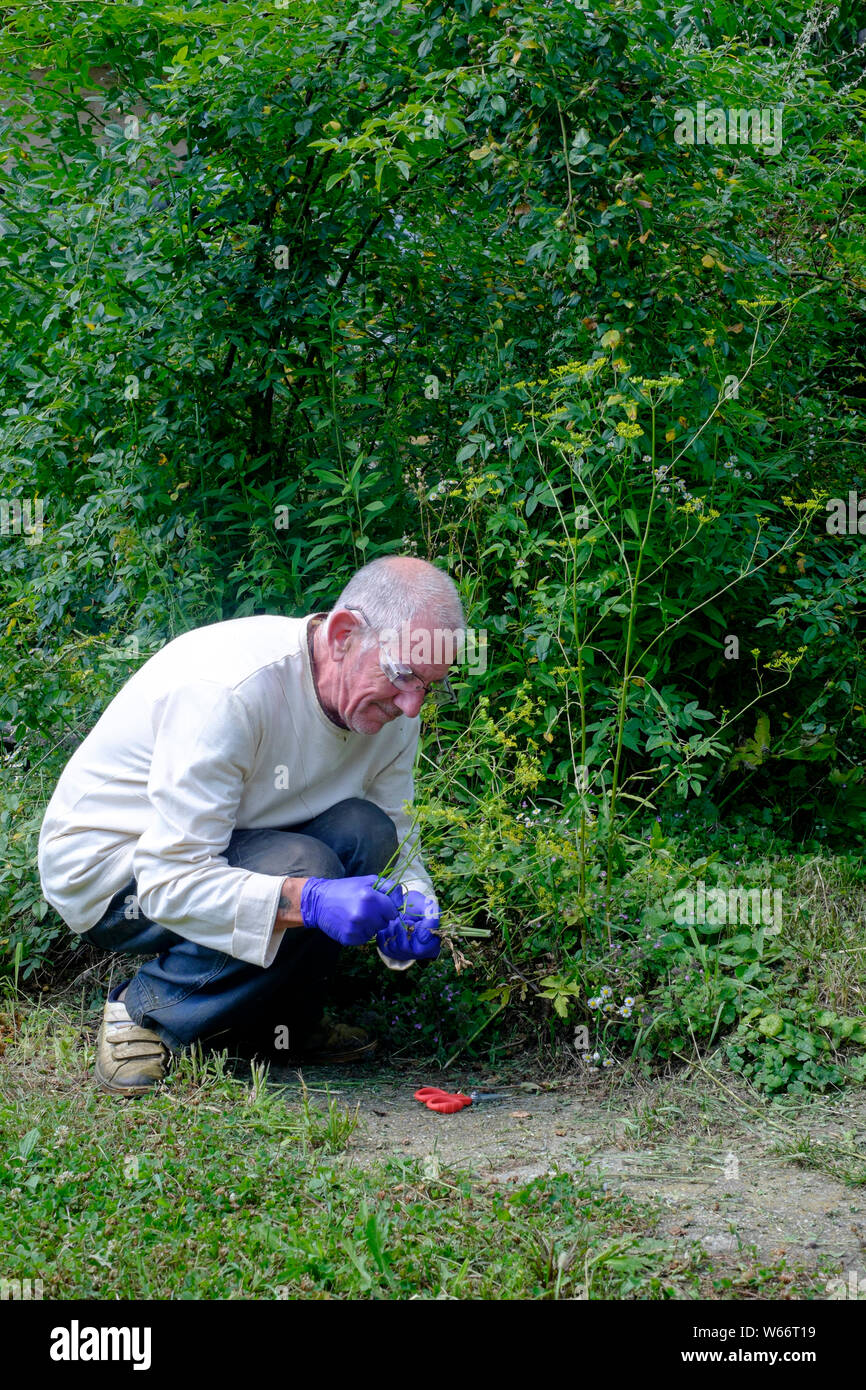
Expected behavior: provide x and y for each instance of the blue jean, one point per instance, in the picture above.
(191, 993)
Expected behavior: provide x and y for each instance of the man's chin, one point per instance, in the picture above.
(371, 720)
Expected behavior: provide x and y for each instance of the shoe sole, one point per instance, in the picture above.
(106, 1085)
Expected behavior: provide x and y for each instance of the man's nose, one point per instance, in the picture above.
(409, 701)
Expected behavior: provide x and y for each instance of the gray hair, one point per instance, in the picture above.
(394, 589)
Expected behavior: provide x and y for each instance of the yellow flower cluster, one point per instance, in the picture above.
(437, 813)
(810, 505)
(573, 451)
(582, 369)
(527, 774)
(626, 430)
(658, 382)
(579, 368)
(784, 661)
(764, 301)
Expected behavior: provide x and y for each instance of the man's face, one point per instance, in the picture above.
(366, 700)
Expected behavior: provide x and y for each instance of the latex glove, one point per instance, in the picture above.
(349, 910)
(413, 935)
(411, 904)
(399, 944)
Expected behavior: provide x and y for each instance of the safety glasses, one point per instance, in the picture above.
(404, 678)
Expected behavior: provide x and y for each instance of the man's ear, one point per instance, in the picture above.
(339, 629)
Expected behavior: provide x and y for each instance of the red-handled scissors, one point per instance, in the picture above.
(445, 1102)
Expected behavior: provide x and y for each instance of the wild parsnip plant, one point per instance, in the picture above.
(627, 521)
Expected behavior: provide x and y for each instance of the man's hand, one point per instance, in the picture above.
(398, 943)
(413, 935)
(414, 907)
(349, 910)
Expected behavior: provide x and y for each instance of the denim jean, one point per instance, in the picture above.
(190, 993)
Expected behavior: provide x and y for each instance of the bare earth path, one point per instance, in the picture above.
(749, 1181)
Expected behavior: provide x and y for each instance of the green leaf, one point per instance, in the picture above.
(375, 1238)
(28, 1143)
(360, 1266)
(771, 1025)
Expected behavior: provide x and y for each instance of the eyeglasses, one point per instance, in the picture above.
(404, 677)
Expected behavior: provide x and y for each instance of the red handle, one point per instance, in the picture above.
(444, 1102)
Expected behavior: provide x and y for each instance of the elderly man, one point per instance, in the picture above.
(232, 815)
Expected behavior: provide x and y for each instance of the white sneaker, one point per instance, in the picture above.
(130, 1060)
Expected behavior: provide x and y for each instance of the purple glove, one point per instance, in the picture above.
(413, 907)
(349, 910)
(413, 935)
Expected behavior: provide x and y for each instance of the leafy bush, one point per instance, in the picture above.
(314, 285)
(796, 1049)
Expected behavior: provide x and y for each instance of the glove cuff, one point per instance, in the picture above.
(393, 964)
(307, 903)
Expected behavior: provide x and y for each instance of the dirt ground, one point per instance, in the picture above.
(751, 1181)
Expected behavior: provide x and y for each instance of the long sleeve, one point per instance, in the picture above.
(204, 748)
(219, 731)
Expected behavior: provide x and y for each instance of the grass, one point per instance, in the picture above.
(217, 1188)
(707, 1109)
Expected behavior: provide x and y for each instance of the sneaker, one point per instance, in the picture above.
(130, 1060)
(334, 1042)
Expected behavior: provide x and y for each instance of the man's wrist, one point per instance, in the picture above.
(289, 906)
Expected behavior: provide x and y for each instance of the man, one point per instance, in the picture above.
(234, 810)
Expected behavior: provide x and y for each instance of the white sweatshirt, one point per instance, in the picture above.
(220, 730)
